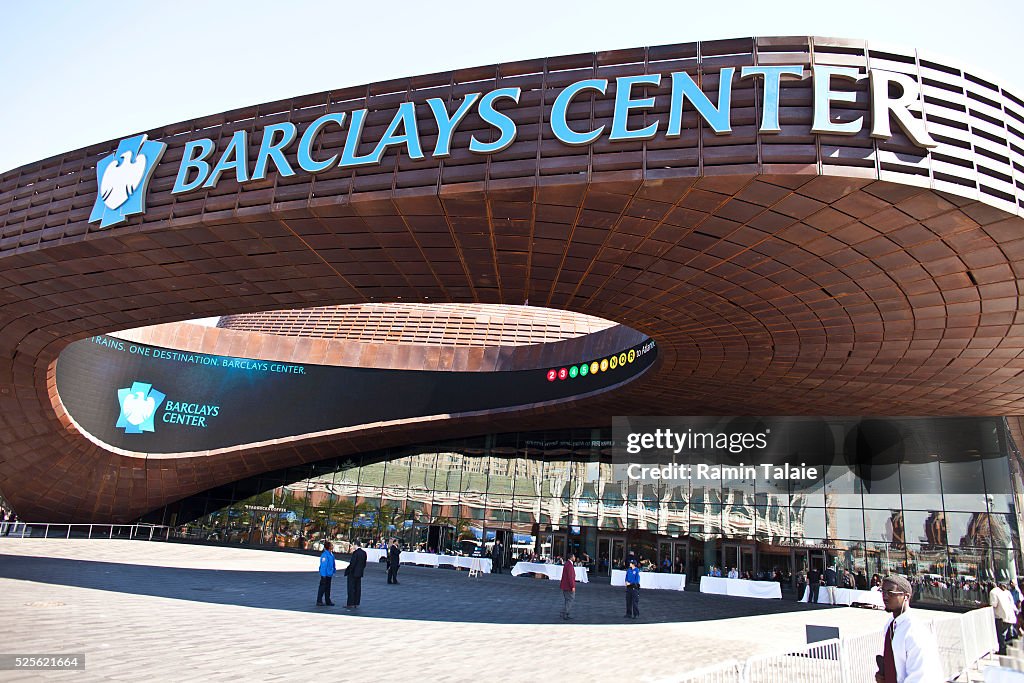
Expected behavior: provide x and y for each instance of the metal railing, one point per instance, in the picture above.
(146, 532)
(962, 640)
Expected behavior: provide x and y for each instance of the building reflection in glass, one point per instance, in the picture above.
(939, 508)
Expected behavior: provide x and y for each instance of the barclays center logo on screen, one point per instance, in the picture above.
(138, 406)
(123, 178)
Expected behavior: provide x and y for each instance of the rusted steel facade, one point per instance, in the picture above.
(782, 273)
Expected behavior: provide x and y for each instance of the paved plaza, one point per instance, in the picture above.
(168, 611)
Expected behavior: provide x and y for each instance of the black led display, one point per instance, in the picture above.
(156, 400)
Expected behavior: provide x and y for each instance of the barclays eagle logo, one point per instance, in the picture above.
(123, 178)
(138, 406)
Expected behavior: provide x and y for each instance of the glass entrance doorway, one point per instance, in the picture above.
(500, 539)
(672, 556)
(739, 557)
(611, 552)
(805, 559)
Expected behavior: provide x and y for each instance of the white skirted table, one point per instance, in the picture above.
(462, 562)
(669, 582)
(847, 596)
(374, 554)
(552, 571)
(740, 587)
(430, 559)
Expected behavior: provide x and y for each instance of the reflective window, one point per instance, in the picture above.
(931, 498)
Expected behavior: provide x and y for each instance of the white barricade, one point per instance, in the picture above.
(858, 654)
(979, 634)
(962, 641)
(817, 663)
(729, 672)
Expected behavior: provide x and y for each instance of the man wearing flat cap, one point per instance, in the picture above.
(909, 654)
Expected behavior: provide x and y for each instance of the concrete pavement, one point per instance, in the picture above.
(168, 611)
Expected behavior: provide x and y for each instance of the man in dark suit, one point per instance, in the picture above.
(813, 583)
(497, 556)
(394, 561)
(354, 573)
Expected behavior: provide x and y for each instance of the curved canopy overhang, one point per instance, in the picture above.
(812, 270)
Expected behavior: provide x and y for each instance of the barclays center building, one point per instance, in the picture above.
(471, 305)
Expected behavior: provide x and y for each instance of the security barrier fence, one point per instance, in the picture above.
(962, 639)
(147, 532)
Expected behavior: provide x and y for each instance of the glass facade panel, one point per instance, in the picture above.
(937, 505)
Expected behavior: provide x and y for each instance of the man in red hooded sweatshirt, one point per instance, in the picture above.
(568, 586)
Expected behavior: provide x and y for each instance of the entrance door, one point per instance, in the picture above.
(746, 560)
(559, 546)
(738, 557)
(675, 553)
(503, 536)
(611, 552)
(664, 552)
(807, 559)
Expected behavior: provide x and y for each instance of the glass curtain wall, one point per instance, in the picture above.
(939, 508)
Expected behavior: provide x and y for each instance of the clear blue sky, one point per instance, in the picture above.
(76, 73)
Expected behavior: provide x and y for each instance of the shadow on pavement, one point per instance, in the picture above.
(423, 593)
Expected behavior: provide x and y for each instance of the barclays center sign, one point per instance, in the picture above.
(124, 176)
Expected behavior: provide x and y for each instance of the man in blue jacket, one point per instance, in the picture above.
(632, 590)
(327, 568)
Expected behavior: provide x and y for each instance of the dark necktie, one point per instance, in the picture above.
(888, 660)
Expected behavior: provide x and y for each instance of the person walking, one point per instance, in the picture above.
(327, 569)
(909, 653)
(354, 572)
(394, 561)
(632, 591)
(1005, 613)
(568, 586)
(814, 584)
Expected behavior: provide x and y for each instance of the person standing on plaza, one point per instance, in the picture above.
(568, 586)
(394, 561)
(909, 653)
(801, 585)
(814, 584)
(632, 591)
(327, 569)
(354, 572)
(497, 555)
(831, 581)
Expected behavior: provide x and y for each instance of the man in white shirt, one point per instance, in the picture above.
(910, 654)
(1005, 612)
(733, 574)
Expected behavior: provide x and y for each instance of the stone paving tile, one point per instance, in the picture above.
(166, 611)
